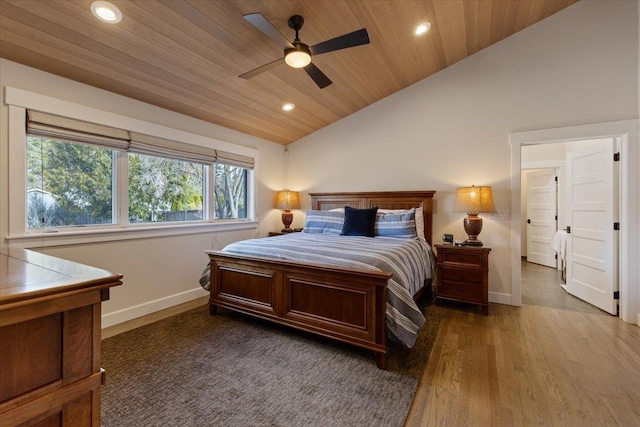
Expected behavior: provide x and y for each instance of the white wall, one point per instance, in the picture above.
(162, 271)
(542, 156)
(451, 129)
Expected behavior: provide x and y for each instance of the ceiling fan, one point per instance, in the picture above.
(298, 54)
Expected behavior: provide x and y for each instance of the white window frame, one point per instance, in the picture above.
(19, 101)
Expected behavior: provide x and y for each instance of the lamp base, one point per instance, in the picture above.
(287, 219)
(473, 227)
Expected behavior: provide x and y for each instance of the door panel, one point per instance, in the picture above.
(541, 216)
(592, 242)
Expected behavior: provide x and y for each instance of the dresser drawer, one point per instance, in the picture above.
(461, 291)
(464, 275)
(462, 258)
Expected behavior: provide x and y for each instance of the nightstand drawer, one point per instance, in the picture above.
(461, 291)
(462, 258)
(464, 275)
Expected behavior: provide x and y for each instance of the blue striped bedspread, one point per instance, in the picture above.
(410, 261)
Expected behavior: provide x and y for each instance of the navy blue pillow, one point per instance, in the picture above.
(359, 222)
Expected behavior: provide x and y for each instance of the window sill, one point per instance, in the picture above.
(75, 237)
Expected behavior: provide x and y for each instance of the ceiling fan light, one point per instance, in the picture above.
(298, 57)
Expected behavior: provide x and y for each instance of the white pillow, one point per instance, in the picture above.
(419, 219)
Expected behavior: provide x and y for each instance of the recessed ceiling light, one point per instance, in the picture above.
(105, 11)
(288, 106)
(422, 28)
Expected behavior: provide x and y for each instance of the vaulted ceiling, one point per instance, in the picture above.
(186, 56)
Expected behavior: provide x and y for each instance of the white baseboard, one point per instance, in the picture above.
(500, 298)
(638, 319)
(146, 308)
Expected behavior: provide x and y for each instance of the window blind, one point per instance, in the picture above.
(52, 126)
(232, 159)
(154, 146)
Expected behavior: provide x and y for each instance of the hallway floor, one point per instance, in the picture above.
(541, 286)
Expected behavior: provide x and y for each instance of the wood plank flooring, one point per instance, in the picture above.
(554, 361)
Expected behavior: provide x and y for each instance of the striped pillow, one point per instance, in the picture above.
(401, 225)
(323, 222)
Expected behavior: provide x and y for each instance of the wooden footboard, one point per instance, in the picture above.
(339, 303)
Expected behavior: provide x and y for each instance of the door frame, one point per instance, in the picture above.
(627, 131)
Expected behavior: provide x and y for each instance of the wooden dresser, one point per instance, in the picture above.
(50, 371)
(463, 274)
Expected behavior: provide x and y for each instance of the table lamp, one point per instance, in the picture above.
(287, 200)
(473, 200)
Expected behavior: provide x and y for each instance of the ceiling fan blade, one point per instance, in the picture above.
(318, 76)
(261, 23)
(355, 38)
(261, 69)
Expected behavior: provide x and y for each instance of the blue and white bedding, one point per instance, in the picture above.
(410, 261)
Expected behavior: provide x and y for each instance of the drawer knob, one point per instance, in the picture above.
(461, 289)
(461, 276)
(460, 258)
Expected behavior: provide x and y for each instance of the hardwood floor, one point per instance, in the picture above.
(554, 361)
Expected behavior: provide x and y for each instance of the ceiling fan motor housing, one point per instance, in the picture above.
(295, 23)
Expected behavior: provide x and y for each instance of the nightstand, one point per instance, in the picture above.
(463, 274)
(280, 233)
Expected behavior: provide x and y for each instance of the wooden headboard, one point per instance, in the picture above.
(381, 199)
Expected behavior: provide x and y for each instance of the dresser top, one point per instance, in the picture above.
(27, 275)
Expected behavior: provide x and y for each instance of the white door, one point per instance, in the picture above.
(592, 249)
(541, 216)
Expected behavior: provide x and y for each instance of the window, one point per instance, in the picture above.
(165, 190)
(231, 192)
(68, 184)
(72, 168)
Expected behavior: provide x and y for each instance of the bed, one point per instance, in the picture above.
(343, 303)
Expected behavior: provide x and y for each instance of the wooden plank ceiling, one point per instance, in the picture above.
(186, 56)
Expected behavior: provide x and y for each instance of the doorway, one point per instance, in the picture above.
(627, 131)
(570, 211)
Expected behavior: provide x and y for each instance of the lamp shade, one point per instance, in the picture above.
(472, 200)
(287, 200)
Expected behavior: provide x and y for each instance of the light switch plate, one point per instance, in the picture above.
(500, 214)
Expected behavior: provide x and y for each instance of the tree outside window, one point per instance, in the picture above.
(71, 184)
(164, 190)
(231, 192)
(68, 184)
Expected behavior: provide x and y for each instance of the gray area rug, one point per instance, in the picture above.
(230, 370)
